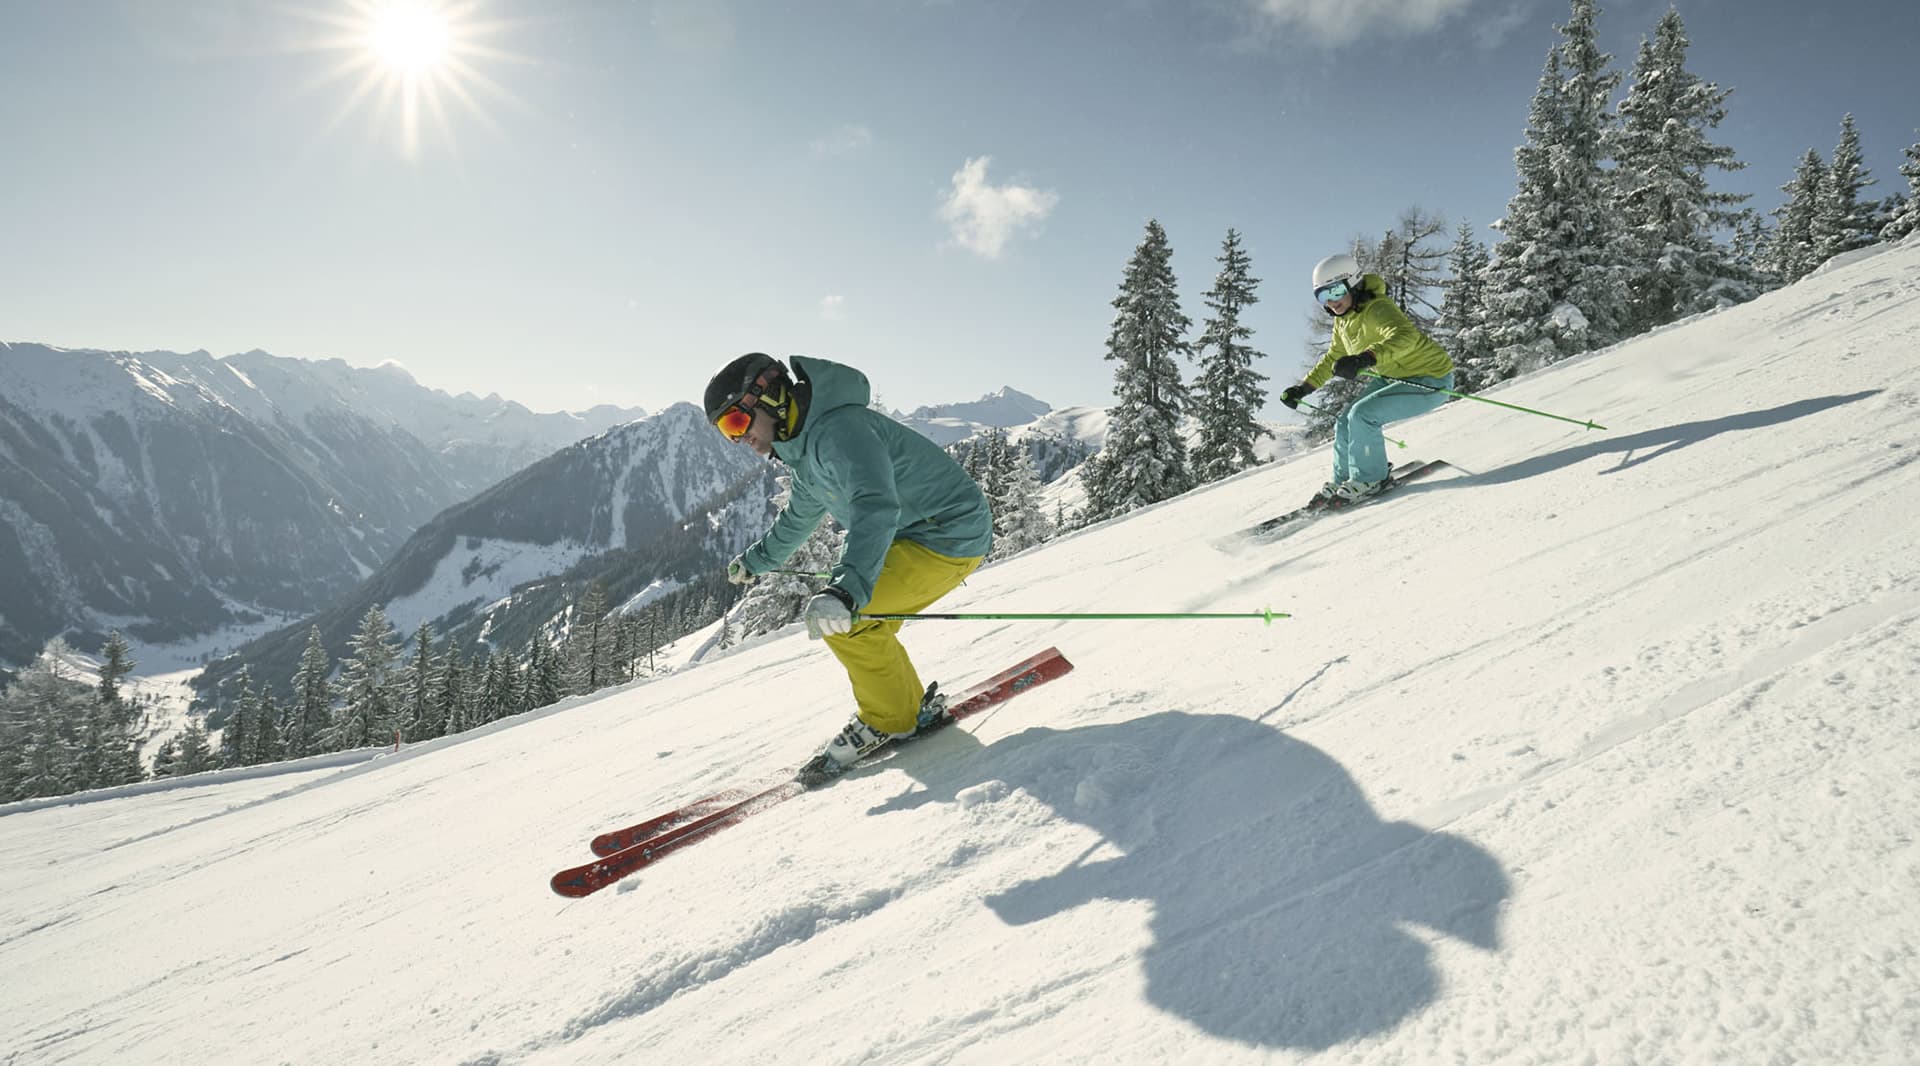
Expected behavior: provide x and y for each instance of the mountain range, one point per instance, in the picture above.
(170, 494)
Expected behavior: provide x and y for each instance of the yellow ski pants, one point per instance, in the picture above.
(886, 687)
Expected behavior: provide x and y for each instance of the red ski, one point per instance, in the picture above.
(645, 843)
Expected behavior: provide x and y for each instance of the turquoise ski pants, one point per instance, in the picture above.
(1359, 448)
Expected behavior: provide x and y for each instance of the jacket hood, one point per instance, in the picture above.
(829, 385)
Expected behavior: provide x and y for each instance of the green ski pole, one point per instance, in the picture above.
(1320, 410)
(1267, 616)
(1482, 399)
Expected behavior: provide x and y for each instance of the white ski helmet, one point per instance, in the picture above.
(1334, 268)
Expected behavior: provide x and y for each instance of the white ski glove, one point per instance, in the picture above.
(829, 613)
(738, 573)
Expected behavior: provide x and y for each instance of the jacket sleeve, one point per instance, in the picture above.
(1323, 369)
(861, 475)
(791, 528)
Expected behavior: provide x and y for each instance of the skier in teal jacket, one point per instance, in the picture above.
(916, 525)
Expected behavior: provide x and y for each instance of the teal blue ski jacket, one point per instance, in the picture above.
(880, 480)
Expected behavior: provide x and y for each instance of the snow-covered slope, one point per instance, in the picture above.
(1600, 750)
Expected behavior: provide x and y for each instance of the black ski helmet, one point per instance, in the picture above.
(759, 375)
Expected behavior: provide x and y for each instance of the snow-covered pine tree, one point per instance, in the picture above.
(268, 715)
(116, 662)
(1749, 249)
(119, 759)
(236, 739)
(44, 718)
(1462, 326)
(1671, 220)
(589, 645)
(1792, 250)
(625, 628)
(310, 716)
(450, 693)
(492, 696)
(1906, 214)
(194, 753)
(164, 757)
(1557, 283)
(1145, 457)
(1228, 394)
(366, 684)
(1842, 221)
(1018, 522)
(546, 683)
(420, 717)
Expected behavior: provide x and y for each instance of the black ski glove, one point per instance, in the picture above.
(1293, 394)
(1349, 366)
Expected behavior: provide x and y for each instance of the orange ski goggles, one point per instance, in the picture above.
(734, 422)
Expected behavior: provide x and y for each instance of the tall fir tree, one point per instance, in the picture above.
(1557, 283)
(119, 758)
(269, 724)
(1228, 394)
(311, 714)
(1462, 326)
(366, 684)
(1672, 221)
(45, 718)
(450, 694)
(546, 684)
(1793, 249)
(589, 644)
(1842, 221)
(236, 739)
(1018, 522)
(1905, 218)
(420, 716)
(1145, 457)
(193, 753)
(116, 664)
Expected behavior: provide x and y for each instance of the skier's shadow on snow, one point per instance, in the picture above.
(1648, 445)
(1281, 902)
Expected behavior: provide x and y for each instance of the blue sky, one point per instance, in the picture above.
(611, 199)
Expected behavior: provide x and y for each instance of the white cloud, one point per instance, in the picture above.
(844, 140)
(1340, 22)
(833, 307)
(983, 217)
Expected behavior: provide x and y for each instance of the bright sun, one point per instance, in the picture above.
(406, 59)
(410, 38)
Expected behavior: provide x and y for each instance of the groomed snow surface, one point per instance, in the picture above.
(1603, 748)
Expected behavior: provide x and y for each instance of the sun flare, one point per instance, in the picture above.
(410, 38)
(407, 60)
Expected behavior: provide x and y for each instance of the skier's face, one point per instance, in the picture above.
(759, 436)
(1342, 305)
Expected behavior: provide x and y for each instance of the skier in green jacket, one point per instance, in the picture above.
(916, 525)
(1369, 331)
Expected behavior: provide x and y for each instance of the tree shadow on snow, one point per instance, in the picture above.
(1281, 902)
(1661, 441)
